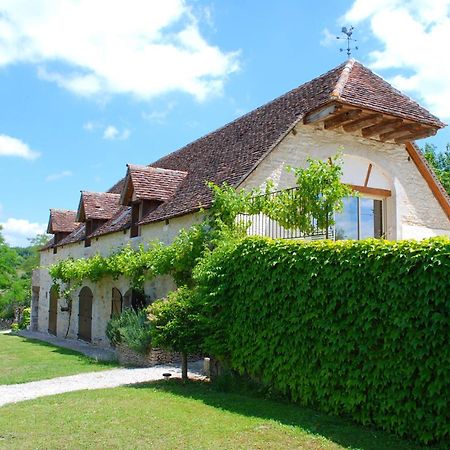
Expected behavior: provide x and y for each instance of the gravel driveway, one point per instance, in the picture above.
(92, 380)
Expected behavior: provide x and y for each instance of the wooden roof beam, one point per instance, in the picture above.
(383, 127)
(323, 113)
(402, 130)
(365, 121)
(341, 118)
(418, 135)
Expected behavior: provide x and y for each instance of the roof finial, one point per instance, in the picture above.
(348, 35)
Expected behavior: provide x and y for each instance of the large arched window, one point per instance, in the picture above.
(363, 216)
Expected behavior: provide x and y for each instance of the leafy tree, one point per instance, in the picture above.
(319, 192)
(16, 265)
(440, 162)
(179, 324)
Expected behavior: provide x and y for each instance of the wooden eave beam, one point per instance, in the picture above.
(341, 119)
(413, 136)
(371, 191)
(322, 113)
(402, 130)
(383, 127)
(426, 172)
(365, 121)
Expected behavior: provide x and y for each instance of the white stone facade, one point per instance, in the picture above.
(411, 211)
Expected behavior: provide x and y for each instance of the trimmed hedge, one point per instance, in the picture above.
(359, 328)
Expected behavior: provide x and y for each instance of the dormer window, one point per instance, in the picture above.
(95, 209)
(61, 223)
(146, 188)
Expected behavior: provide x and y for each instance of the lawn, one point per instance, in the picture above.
(169, 415)
(23, 360)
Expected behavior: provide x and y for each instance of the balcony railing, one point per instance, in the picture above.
(262, 225)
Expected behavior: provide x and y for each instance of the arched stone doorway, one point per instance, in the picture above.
(53, 310)
(116, 302)
(85, 314)
(134, 299)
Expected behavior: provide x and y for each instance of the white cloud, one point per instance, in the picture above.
(90, 126)
(139, 47)
(58, 176)
(415, 36)
(17, 231)
(327, 38)
(159, 116)
(10, 146)
(111, 133)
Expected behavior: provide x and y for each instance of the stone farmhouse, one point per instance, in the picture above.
(348, 109)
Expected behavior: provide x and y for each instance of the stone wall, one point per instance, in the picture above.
(67, 322)
(5, 324)
(128, 357)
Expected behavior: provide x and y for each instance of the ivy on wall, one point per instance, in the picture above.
(351, 327)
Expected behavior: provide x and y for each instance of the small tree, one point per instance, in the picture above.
(318, 194)
(179, 324)
(440, 162)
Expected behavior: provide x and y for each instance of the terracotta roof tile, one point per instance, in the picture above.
(120, 221)
(98, 205)
(365, 89)
(153, 183)
(76, 235)
(62, 221)
(230, 153)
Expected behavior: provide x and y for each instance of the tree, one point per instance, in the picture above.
(440, 162)
(179, 324)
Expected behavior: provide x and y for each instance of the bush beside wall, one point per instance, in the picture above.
(357, 328)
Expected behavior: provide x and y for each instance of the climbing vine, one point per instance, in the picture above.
(319, 193)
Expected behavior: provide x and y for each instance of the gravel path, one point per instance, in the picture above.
(92, 380)
(88, 349)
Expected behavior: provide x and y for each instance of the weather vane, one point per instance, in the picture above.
(348, 35)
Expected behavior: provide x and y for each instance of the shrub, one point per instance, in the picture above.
(24, 320)
(351, 327)
(131, 328)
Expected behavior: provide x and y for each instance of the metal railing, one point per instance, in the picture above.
(262, 225)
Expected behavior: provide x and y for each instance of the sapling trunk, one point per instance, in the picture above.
(184, 367)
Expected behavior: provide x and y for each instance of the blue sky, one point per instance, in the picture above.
(89, 86)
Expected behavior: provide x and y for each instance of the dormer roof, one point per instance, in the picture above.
(97, 206)
(150, 183)
(61, 221)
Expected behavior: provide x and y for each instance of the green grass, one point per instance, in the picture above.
(23, 360)
(169, 415)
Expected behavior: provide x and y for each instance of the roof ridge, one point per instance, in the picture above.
(342, 80)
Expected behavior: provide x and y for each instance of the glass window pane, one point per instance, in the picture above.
(371, 221)
(347, 220)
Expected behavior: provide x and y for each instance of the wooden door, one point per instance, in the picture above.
(53, 311)
(85, 314)
(116, 303)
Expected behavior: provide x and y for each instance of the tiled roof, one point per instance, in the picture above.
(361, 87)
(120, 221)
(62, 221)
(152, 183)
(76, 235)
(231, 153)
(98, 205)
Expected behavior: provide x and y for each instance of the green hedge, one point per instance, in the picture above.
(357, 328)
